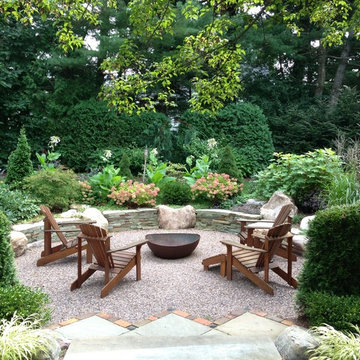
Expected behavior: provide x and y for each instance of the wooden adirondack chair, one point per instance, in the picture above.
(118, 261)
(250, 260)
(67, 246)
(249, 226)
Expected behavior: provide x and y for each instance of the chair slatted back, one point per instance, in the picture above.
(54, 225)
(97, 238)
(275, 236)
(283, 215)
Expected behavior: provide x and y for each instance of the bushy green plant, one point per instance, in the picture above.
(227, 164)
(156, 170)
(201, 169)
(7, 264)
(336, 345)
(24, 301)
(337, 311)
(55, 188)
(176, 170)
(102, 182)
(215, 187)
(134, 194)
(16, 204)
(20, 339)
(334, 243)
(125, 167)
(49, 160)
(175, 193)
(136, 157)
(298, 175)
(19, 162)
(344, 189)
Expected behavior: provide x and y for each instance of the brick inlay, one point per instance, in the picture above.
(259, 313)
(152, 318)
(181, 313)
(203, 321)
(221, 321)
(68, 322)
(142, 323)
(288, 322)
(104, 315)
(122, 323)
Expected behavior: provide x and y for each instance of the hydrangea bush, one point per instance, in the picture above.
(215, 187)
(134, 194)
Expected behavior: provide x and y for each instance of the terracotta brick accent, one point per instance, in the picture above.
(68, 322)
(288, 322)
(142, 323)
(85, 316)
(152, 318)
(259, 313)
(221, 321)
(203, 321)
(274, 318)
(104, 315)
(236, 313)
(122, 323)
(162, 314)
(181, 313)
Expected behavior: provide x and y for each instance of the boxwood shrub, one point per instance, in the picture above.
(175, 193)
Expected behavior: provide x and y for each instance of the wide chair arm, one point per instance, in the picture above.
(129, 246)
(241, 246)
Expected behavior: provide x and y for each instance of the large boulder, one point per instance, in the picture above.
(53, 347)
(294, 343)
(18, 242)
(305, 222)
(272, 208)
(96, 215)
(173, 219)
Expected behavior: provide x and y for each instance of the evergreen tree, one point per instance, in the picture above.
(19, 163)
(227, 163)
(7, 265)
(125, 167)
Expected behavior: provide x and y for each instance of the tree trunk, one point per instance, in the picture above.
(340, 72)
(321, 71)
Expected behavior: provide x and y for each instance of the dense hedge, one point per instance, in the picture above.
(243, 126)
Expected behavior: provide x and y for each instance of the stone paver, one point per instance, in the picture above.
(172, 325)
(91, 327)
(252, 324)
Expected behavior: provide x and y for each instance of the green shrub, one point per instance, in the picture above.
(19, 163)
(227, 163)
(17, 205)
(55, 188)
(20, 339)
(136, 157)
(7, 264)
(125, 166)
(298, 175)
(25, 302)
(334, 344)
(175, 193)
(333, 252)
(337, 311)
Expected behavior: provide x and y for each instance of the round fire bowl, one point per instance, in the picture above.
(172, 245)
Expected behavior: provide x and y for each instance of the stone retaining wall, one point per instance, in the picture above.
(127, 220)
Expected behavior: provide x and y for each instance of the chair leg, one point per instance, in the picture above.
(214, 260)
(79, 281)
(290, 280)
(56, 256)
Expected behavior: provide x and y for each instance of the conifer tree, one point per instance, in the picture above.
(125, 167)
(7, 265)
(19, 162)
(227, 163)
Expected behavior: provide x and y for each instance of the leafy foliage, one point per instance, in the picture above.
(201, 169)
(19, 339)
(7, 264)
(19, 163)
(134, 194)
(25, 302)
(298, 175)
(55, 188)
(227, 163)
(156, 171)
(17, 205)
(125, 167)
(338, 311)
(175, 193)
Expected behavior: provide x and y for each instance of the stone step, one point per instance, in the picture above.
(173, 348)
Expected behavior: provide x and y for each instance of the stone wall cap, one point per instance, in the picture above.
(229, 212)
(24, 227)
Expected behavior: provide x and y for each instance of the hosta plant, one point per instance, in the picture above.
(215, 187)
(134, 194)
(20, 339)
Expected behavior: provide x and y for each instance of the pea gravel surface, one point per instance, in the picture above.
(165, 284)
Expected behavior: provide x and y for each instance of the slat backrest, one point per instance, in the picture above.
(275, 236)
(283, 215)
(96, 238)
(54, 225)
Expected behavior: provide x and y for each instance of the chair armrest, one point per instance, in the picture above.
(76, 223)
(61, 230)
(262, 237)
(241, 246)
(129, 246)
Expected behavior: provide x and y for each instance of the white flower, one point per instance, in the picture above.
(211, 143)
(107, 154)
(54, 140)
(154, 151)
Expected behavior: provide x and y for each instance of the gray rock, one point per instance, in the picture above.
(184, 218)
(299, 243)
(251, 206)
(304, 224)
(272, 208)
(18, 242)
(294, 342)
(54, 346)
(96, 215)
